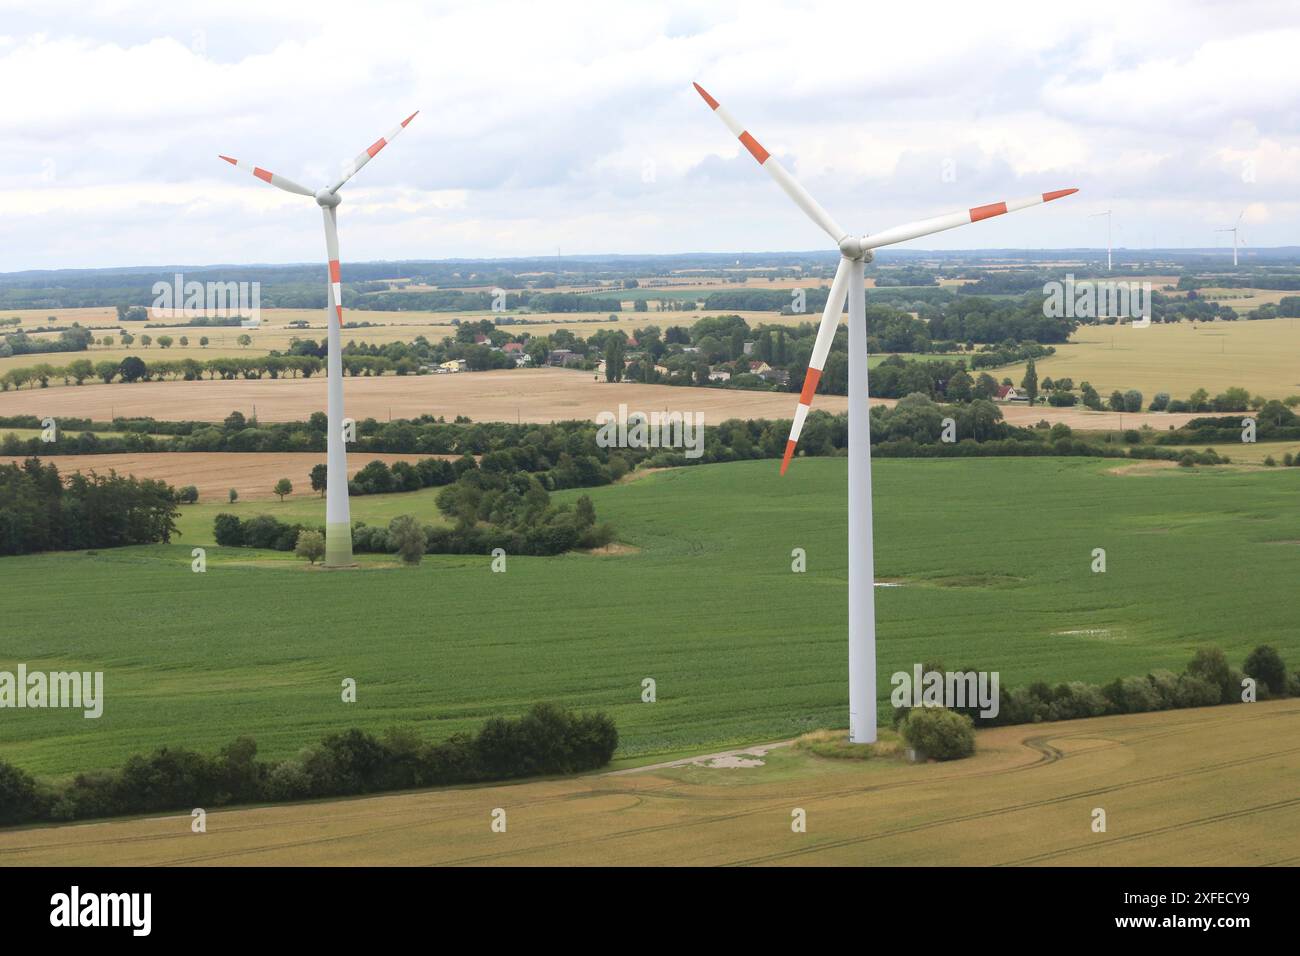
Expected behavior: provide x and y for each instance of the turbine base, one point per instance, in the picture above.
(338, 546)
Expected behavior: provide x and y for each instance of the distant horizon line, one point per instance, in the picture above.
(830, 255)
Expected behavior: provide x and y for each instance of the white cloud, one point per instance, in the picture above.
(538, 121)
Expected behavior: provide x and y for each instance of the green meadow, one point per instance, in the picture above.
(993, 556)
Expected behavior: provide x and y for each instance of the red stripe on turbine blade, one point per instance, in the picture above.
(334, 271)
(1057, 194)
(411, 117)
(789, 453)
(810, 381)
(377, 146)
(232, 162)
(755, 148)
(987, 212)
(261, 173)
(713, 104)
(338, 310)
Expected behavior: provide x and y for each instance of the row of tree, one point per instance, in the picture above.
(547, 739)
(40, 510)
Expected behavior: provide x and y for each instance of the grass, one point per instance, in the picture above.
(195, 522)
(994, 555)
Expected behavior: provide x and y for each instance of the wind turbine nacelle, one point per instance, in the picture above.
(326, 198)
(851, 248)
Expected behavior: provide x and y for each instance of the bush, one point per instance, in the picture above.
(407, 538)
(1165, 684)
(1265, 664)
(1131, 695)
(1196, 692)
(1020, 705)
(310, 545)
(1211, 665)
(939, 734)
(1076, 700)
(228, 530)
(20, 798)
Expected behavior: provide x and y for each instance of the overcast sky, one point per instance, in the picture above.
(575, 125)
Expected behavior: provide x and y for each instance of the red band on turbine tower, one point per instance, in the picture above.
(987, 212)
(755, 148)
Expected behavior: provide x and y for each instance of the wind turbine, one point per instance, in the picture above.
(849, 284)
(1107, 215)
(338, 524)
(1235, 226)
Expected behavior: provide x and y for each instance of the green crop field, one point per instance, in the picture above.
(993, 556)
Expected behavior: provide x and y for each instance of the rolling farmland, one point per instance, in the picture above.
(1179, 358)
(259, 644)
(1193, 787)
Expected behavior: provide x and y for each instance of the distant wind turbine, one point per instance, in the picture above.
(338, 525)
(1107, 215)
(849, 284)
(1236, 226)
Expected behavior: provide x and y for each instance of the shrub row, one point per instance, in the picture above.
(548, 739)
(1207, 680)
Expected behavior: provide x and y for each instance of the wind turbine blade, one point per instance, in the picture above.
(372, 151)
(288, 185)
(925, 227)
(835, 299)
(778, 172)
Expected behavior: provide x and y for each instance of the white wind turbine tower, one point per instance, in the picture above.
(1107, 215)
(1236, 226)
(849, 283)
(338, 524)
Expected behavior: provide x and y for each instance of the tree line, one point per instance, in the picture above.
(547, 739)
(40, 510)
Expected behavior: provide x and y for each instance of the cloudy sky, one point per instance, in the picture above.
(574, 125)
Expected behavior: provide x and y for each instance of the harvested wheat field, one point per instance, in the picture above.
(529, 395)
(252, 474)
(1213, 786)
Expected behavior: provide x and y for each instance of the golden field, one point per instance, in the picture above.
(508, 395)
(252, 474)
(1213, 786)
(1261, 356)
